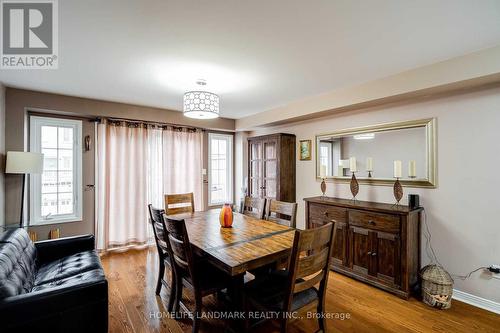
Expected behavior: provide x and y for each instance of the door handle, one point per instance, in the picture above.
(89, 187)
(374, 254)
(371, 222)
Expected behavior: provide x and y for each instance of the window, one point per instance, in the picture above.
(55, 195)
(325, 156)
(220, 168)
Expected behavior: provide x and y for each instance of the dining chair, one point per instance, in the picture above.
(254, 207)
(179, 203)
(302, 287)
(191, 272)
(159, 231)
(284, 213)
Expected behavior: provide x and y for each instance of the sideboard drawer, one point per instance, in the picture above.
(377, 221)
(324, 213)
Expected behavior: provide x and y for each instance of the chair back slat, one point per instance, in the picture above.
(315, 239)
(312, 264)
(179, 252)
(159, 229)
(254, 207)
(179, 245)
(311, 282)
(310, 260)
(284, 213)
(179, 203)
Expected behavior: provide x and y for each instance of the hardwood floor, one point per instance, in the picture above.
(134, 307)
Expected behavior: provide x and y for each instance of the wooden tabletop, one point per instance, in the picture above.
(249, 244)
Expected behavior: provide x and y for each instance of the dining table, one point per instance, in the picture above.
(248, 244)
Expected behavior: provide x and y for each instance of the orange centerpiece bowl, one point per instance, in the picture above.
(226, 216)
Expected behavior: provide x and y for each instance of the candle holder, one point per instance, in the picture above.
(398, 191)
(323, 187)
(354, 186)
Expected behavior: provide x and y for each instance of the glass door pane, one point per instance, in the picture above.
(270, 189)
(270, 150)
(255, 151)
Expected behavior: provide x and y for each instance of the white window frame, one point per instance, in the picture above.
(229, 166)
(36, 124)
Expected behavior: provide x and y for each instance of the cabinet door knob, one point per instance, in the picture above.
(369, 253)
(371, 222)
(374, 254)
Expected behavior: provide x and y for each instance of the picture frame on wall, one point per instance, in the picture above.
(305, 150)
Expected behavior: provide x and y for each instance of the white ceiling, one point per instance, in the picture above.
(255, 54)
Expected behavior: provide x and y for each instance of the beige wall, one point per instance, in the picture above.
(2, 154)
(240, 162)
(463, 211)
(18, 102)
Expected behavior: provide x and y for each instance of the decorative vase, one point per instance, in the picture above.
(226, 216)
(323, 187)
(354, 186)
(398, 191)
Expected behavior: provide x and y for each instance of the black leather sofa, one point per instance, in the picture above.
(56, 285)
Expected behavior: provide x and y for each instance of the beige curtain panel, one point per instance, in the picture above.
(137, 164)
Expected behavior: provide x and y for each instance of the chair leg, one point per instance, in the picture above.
(284, 326)
(161, 273)
(321, 319)
(197, 313)
(246, 322)
(173, 291)
(178, 294)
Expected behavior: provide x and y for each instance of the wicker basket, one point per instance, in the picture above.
(437, 286)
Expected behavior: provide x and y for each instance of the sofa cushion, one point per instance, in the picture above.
(68, 266)
(17, 263)
(94, 275)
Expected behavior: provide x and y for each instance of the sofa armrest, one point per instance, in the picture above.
(53, 249)
(58, 309)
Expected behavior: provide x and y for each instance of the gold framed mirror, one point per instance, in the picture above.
(376, 149)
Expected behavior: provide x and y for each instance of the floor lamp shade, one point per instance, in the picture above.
(24, 162)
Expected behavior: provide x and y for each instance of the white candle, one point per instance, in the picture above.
(412, 169)
(397, 169)
(352, 162)
(322, 171)
(369, 164)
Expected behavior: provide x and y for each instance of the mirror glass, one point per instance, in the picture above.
(379, 153)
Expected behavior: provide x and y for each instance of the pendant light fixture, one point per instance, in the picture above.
(201, 104)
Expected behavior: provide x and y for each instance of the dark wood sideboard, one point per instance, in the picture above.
(376, 243)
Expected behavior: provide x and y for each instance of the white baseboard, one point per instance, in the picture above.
(476, 301)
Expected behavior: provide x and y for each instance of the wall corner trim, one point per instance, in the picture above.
(476, 301)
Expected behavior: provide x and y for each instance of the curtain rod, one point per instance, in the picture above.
(146, 122)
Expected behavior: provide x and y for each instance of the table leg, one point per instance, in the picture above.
(237, 300)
